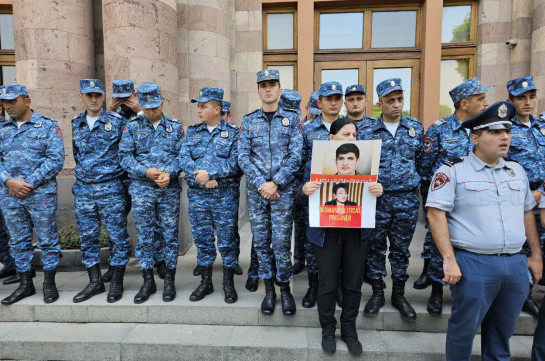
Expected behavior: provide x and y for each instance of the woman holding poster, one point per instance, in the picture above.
(340, 249)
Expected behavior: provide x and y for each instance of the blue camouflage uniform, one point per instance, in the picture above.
(98, 191)
(214, 208)
(358, 88)
(34, 153)
(444, 140)
(5, 258)
(271, 152)
(155, 209)
(528, 144)
(312, 107)
(399, 174)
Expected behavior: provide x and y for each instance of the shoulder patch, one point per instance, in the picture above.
(114, 114)
(428, 143)
(453, 161)
(173, 120)
(439, 122)
(255, 111)
(232, 126)
(439, 180)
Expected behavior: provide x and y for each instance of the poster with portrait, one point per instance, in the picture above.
(344, 169)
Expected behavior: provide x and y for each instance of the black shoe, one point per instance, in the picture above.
(530, 306)
(435, 303)
(15, 278)
(4, 272)
(148, 288)
(400, 302)
(107, 277)
(25, 289)
(288, 303)
(298, 267)
(51, 294)
(372, 307)
(169, 290)
(229, 286)
(269, 301)
(312, 293)
(94, 287)
(116, 286)
(329, 344)
(205, 288)
(238, 270)
(353, 345)
(197, 271)
(161, 269)
(424, 280)
(251, 284)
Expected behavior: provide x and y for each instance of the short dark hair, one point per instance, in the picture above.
(339, 123)
(459, 102)
(347, 148)
(215, 103)
(340, 185)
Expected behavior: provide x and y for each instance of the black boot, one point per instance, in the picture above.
(377, 299)
(435, 303)
(169, 291)
(161, 269)
(94, 287)
(50, 288)
(25, 289)
(15, 278)
(205, 288)
(288, 303)
(251, 284)
(530, 306)
(116, 287)
(238, 270)
(312, 293)
(229, 286)
(400, 302)
(298, 267)
(148, 288)
(4, 272)
(424, 280)
(107, 277)
(197, 271)
(269, 301)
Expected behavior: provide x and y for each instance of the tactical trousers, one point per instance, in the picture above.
(5, 258)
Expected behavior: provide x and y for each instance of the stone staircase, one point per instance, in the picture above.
(213, 330)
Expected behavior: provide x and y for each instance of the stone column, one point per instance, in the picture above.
(140, 42)
(54, 48)
(204, 51)
(537, 67)
(521, 28)
(493, 56)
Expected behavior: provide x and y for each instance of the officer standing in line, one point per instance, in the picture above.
(31, 156)
(397, 209)
(480, 210)
(538, 347)
(269, 153)
(355, 101)
(209, 159)
(98, 191)
(528, 148)
(446, 139)
(311, 108)
(149, 153)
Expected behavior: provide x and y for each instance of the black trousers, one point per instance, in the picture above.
(343, 253)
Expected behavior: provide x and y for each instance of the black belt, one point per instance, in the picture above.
(489, 254)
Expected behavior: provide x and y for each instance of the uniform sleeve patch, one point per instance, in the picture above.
(439, 180)
(428, 143)
(58, 130)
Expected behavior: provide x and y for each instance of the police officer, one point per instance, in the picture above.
(269, 153)
(397, 209)
(149, 153)
(446, 139)
(528, 148)
(31, 156)
(311, 108)
(209, 159)
(538, 347)
(355, 101)
(480, 209)
(124, 99)
(98, 191)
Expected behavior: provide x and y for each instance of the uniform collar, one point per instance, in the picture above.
(533, 121)
(454, 122)
(381, 124)
(478, 164)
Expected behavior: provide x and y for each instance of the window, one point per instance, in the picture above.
(280, 44)
(393, 29)
(458, 37)
(7, 46)
(341, 31)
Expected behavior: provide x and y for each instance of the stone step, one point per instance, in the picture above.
(214, 311)
(130, 341)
